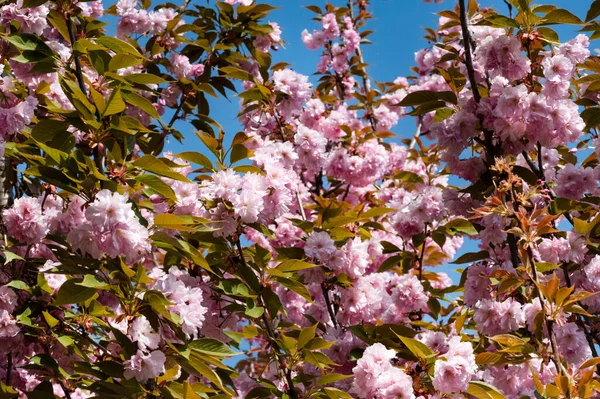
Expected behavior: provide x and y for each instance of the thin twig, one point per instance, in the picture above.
(9, 367)
(467, 41)
(300, 206)
(85, 336)
(329, 307)
(510, 8)
(78, 73)
(422, 255)
(184, 6)
(65, 390)
(416, 136)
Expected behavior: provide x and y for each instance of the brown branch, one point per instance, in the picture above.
(65, 390)
(468, 59)
(416, 136)
(78, 73)
(9, 367)
(329, 307)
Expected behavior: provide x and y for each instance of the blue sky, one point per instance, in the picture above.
(398, 26)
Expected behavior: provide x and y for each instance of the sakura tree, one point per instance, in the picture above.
(296, 258)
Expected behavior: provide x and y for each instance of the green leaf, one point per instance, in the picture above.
(417, 348)
(29, 42)
(331, 378)
(409, 177)
(238, 152)
(561, 16)
(462, 226)
(91, 281)
(188, 392)
(198, 364)
(159, 303)
(115, 103)
(156, 184)
(236, 73)
(471, 257)
(590, 362)
(427, 107)
(144, 78)
(524, 5)
(544, 267)
(376, 211)
(254, 311)
(72, 292)
(306, 334)
(175, 222)
(525, 174)
(548, 35)
(46, 129)
(10, 256)
(481, 390)
(295, 286)
(141, 102)
(33, 3)
(593, 12)
(487, 358)
(51, 320)
(212, 347)
(591, 117)
(334, 393)
(197, 158)
(426, 96)
(390, 263)
(500, 21)
(117, 45)
(151, 164)
(7, 392)
(292, 265)
(123, 61)
(19, 285)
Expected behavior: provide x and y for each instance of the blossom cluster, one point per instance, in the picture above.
(309, 244)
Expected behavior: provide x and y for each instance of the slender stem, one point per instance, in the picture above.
(184, 6)
(6, 183)
(9, 367)
(78, 73)
(510, 8)
(65, 390)
(346, 192)
(300, 206)
(177, 111)
(540, 163)
(422, 255)
(512, 246)
(467, 45)
(416, 136)
(85, 336)
(329, 307)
